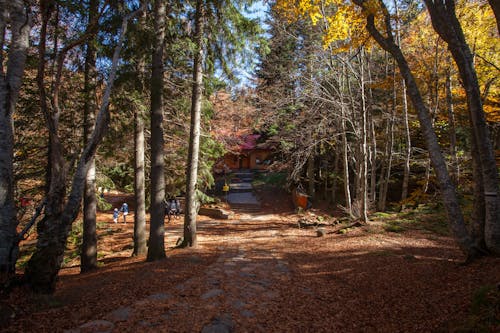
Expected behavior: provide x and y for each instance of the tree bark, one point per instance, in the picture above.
(455, 171)
(156, 249)
(10, 83)
(192, 205)
(495, 5)
(310, 175)
(89, 241)
(446, 24)
(345, 153)
(385, 175)
(450, 200)
(140, 233)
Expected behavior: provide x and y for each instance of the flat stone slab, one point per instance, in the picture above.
(246, 198)
(212, 293)
(240, 186)
(215, 213)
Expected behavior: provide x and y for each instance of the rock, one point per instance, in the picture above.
(97, 326)
(121, 314)
(212, 293)
(320, 232)
(221, 324)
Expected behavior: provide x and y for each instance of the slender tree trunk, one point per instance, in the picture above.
(373, 141)
(334, 180)
(10, 84)
(448, 27)
(364, 159)
(310, 175)
(386, 175)
(192, 204)
(140, 233)
(450, 200)
(345, 157)
(455, 171)
(89, 242)
(406, 165)
(156, 249)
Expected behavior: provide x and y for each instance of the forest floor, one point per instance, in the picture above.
(261, 273)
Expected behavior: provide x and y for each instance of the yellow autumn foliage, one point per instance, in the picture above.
(343, 22)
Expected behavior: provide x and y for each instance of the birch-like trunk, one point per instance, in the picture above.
(345, 148)
(385, 175)
(364, 153)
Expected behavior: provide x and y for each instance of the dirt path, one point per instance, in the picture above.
(260, 273)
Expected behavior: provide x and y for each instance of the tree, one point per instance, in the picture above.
(89, 242)
(60, 212)
(446, 24)
(371, 11)
(140, 236)
(17, 13)
(194, 136)
(156, 249)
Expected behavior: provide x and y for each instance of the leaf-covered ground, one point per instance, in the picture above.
(261, 273)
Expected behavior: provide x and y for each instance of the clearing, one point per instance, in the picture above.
(259, 272)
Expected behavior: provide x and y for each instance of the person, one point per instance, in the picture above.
(124, 210)
(172, 207)
(116, 213)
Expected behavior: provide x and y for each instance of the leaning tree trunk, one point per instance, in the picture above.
(43, 267)
(10, 83)
(194, 136)
(156, 249)
(448, 192)
(89, 241)
(446, 24)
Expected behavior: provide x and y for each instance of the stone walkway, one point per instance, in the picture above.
(238, 284)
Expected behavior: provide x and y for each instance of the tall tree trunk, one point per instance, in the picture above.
(156, 249)
(373, 140)
(364, 158)
(406, 165)
(140, 233)
(455, 171)
(446, 24)
(89, 241)
(192, 204)
(10, 83)
(345, 152)
(310, 175)
(43, 267)
(448, 193)
(385, 175)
